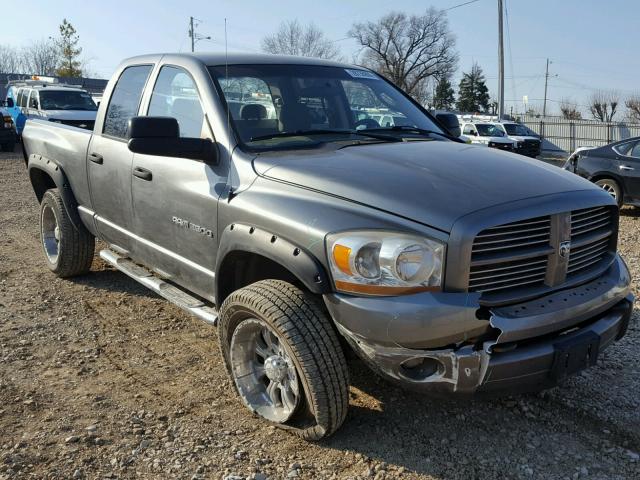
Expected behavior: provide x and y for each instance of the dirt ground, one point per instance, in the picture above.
(99, 378)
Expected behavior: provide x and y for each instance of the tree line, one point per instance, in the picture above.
(415, 52)
(58, 56)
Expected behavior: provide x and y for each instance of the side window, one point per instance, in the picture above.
(635, 151)
(626, 148)
(175, 95)
(19, 97)
(125, 100)
(33, 100)
(468, 129)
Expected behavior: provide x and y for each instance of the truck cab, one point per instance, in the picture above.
(487, 135)
(47, 100)
(527, 142)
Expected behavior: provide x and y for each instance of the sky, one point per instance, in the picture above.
(591, 44)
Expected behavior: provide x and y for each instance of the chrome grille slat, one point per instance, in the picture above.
(519, 231)
(500, 269)
(512, 239)
(533, 221)
(588, 254)
(516, 245)
(597, 216)
(584, 264)
(517, 272)
(501, 287)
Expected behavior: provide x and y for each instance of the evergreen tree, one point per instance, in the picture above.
(473, 94)
(67, 44)
(443, 98)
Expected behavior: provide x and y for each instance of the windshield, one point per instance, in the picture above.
(488, 130)
(515, 129)
(273, 106)
(66, 100)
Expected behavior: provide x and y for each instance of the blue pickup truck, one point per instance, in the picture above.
(50, 101)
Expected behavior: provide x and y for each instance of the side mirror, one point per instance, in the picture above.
(161, 136)
(9, 102)
(475, 134)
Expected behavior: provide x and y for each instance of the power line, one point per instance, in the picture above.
(460, 5)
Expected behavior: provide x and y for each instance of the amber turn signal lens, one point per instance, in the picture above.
(341, 256)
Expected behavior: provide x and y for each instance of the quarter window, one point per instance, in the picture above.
(624, 148)
(24, 95)
(635, 151)
(175, 95)
(125, 100)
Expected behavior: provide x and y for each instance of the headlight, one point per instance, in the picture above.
(385, 263)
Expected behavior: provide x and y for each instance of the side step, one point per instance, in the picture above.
(172, 293)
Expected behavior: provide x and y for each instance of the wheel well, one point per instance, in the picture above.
(241, 268)
(41, 182)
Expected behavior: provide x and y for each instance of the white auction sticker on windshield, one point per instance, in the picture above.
(361, 74)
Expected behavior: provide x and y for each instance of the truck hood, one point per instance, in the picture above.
(70, 114)
(432, 182)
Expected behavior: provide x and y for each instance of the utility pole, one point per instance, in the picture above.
(500, 64)
(546, 80)
(193, 35)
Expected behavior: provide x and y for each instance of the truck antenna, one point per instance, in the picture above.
(226, 81)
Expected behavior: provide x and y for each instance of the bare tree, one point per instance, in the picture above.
(41, 58)
(306, 41)
(408, 49)
(603, 105)
(569, 109)
(633, 107)
(10, 60)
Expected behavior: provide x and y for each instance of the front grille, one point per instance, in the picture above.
(529, 147)
(501, 146)
(510, 255)
(591, 231)
(526, 253)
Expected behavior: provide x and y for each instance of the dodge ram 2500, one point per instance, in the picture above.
(261, 194)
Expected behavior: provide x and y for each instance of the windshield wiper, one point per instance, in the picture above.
(295, 133)
(410, 129)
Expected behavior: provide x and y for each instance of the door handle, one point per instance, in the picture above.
(142, 173)
(96, 158)
(625, 167)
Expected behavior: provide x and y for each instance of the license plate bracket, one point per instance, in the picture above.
(574, 354)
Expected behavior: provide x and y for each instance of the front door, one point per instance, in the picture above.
(109, 161)
(629, 168)
(175, 200)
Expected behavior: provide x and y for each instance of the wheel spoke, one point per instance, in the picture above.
(272, 391)
(288, 396)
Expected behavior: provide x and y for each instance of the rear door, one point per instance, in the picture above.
(629, 170)
(109, 160)
(175, 200)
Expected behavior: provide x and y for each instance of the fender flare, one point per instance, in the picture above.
(245, 238)
(57, 175)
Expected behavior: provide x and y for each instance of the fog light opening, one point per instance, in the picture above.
(420, 368)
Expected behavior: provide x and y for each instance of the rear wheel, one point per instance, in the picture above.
(285, 358)
(612, 188)
(68, 250)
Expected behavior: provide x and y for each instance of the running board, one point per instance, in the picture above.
(172, 293)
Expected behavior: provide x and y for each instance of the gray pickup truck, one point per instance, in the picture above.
(309, 207)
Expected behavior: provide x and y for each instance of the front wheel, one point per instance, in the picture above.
(68, 250)
(612, 188)
(285, 358)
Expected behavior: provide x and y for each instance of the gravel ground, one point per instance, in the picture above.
(99, 378)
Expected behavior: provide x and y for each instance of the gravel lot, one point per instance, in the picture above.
(99, 378)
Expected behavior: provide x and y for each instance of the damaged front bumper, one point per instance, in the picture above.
(445, 343)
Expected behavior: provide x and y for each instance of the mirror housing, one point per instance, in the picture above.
(9, 103)
(161, 136)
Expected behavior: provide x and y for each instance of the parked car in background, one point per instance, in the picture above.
(7, 131)
(614, 167)
(488, 135)
(449, 121)
(50, 101)
(527, 143)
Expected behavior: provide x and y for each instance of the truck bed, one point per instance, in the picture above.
(65, 145)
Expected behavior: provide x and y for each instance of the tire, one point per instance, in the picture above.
(309, 346)
(68, 250)
(612, 188)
